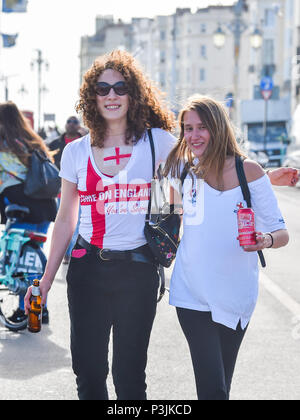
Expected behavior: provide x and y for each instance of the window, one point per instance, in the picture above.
(268, 51)
(275, 132)
(269, 17)
(203, 51)
(203, 28)
(162, 35)
(162, 58)
(202, 75)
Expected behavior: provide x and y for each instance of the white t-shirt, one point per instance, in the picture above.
(212, 272)
(113, 209)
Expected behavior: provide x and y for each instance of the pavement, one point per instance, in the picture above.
(38, 366)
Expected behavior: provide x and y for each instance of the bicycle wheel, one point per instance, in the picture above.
(31, 265)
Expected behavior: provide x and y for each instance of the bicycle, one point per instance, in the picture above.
(21, 261)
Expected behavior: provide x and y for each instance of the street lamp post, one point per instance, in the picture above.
(5, 80)
(237, 26)
(174, 57)
(39, 61)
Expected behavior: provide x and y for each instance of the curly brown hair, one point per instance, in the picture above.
(146, 106)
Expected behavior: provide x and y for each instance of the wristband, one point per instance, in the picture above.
(272, 239)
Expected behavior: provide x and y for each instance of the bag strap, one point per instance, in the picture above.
(184, 175)
(161, 271)
(153, 170)
(152, 151)
(243, 181)
(239, 164)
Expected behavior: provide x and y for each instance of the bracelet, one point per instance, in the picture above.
(272, 239)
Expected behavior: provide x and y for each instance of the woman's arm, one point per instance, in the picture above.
(281, 176)
(275, 239)
(64, 227)
(284, 176)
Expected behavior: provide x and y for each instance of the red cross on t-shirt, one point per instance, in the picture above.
(117, 157)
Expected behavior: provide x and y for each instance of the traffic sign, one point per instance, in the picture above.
(229, 100)
(266, 83)
(266, 87)
(266, 94)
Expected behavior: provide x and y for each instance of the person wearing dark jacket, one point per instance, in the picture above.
(73, 132)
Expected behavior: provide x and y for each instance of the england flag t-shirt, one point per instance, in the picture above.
(113, 209)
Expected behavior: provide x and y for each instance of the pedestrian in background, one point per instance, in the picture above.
(214, 284)
(17, 141)
(73, 131)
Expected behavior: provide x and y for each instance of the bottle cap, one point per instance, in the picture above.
(36, 288)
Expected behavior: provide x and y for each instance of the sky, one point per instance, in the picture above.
(55, 27)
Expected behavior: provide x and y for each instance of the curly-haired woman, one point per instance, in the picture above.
(112, 278)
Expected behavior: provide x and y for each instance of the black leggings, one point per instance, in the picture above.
(109, 295)
(214, 349)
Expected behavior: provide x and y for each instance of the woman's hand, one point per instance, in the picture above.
(263, 240)
(284, 177)
(275, 239)
(45, 286)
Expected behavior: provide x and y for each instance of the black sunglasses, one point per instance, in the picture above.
(72, 121)
(103, 89)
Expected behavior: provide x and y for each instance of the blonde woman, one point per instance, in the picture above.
(214, 283)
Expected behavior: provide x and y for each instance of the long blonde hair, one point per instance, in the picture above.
(222, 142)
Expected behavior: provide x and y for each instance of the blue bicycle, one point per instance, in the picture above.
(21, 261)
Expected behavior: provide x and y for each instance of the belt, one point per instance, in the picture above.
(141, 254)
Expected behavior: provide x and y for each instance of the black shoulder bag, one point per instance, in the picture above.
(162, 230)
(246, 194)
(42, 179)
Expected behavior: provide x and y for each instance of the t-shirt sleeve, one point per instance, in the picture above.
(268, 216)
(67, 165)
(163, 144)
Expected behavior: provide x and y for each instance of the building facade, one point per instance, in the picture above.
(179, 54)
(108, 36)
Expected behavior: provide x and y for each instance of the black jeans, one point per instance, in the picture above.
(105, 295)
(214, 349)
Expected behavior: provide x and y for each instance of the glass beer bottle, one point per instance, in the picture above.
(35, 313)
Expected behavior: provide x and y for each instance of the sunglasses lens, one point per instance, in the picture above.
(73, 121)
(121, 88)
(103, 89)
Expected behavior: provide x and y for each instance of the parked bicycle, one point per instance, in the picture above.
(21, 261)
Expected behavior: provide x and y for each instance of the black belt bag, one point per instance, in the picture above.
(141, 254)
